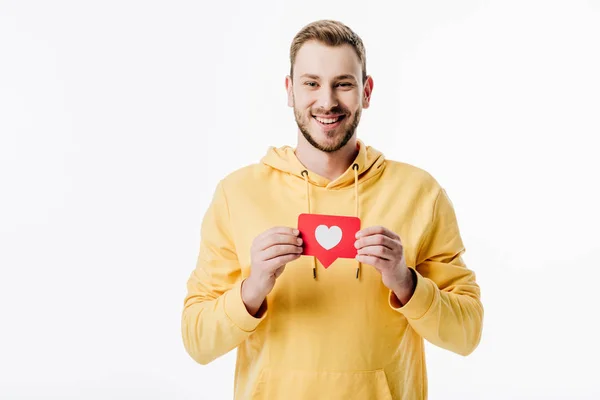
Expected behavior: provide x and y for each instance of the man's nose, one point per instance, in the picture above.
(327, 98)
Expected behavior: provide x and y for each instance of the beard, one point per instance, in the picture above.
(340, 136)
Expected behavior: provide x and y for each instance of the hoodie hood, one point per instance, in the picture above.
(367, 163)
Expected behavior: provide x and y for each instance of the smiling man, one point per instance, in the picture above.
(355, 328)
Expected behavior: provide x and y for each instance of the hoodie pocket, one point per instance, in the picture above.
(277, 384)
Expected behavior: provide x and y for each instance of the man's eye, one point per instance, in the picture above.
(345, 84)
(311, 84)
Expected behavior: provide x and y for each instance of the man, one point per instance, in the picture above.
(356, 329)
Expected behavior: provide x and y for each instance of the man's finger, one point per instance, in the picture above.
(277, 239)
(376, 262)
(377, 239)
(280, 250)
(374, 230)
(377, 251)
(278, 262)
(286, 230)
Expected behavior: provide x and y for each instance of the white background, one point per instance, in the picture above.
(117, 119)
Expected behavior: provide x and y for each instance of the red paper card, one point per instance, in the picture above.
(328, 237)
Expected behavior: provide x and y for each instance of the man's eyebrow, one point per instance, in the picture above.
(311, 76)
(337, 78)
(346, 76)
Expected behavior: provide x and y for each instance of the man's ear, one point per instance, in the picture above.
(290, 93)
(367, 91)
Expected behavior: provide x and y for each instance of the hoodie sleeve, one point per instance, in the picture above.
(215, 319)
(445, 307)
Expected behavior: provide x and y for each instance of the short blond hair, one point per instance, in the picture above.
(331, 33)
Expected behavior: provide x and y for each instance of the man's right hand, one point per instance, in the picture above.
(271, 251)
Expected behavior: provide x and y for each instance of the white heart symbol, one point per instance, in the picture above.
(328, 237)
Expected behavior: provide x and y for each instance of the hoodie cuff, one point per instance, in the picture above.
(237, 312)
(419, 303)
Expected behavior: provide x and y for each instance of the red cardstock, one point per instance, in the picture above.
(328, 237)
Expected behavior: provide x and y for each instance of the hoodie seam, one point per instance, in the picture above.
(222, 186)
(429, 228)
(359, 182)
(349, 187)
(366, 179)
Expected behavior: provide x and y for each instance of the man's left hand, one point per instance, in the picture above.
(382, 248)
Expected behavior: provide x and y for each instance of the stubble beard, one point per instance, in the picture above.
(343, 139)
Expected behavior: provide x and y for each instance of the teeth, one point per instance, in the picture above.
(327, 120)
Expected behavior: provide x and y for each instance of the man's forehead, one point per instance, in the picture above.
(327, 62)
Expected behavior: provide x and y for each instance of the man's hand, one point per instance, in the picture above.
(271, 251)
(382, 248)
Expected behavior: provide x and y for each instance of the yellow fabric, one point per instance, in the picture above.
(336, 336)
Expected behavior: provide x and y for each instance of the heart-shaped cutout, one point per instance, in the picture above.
(328, 238)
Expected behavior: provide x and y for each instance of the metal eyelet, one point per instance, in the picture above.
(304, 172)
(355, 166)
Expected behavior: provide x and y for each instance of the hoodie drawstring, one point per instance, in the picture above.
(304, 173)
(355, 168)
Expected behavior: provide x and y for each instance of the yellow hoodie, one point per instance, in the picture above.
(331, 335)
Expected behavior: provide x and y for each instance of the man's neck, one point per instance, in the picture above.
(327, 165)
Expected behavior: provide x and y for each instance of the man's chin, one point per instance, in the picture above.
(326, 141)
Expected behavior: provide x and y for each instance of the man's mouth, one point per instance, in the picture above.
(329, 122)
